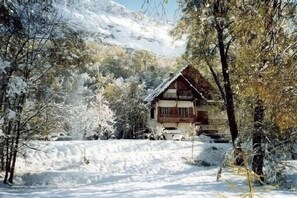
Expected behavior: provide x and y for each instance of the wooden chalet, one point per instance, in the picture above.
(185, 101)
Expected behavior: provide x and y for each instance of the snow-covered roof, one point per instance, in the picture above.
(166, 83)
(161, 88)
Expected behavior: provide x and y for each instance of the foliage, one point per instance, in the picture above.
(26, 30)
(53, 80)
(207, 24)
(257, 41)
(265, 60)
(126, 100)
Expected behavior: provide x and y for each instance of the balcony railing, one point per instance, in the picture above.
(170, 95)
(185, 96)
(175, 118)
(182, 96)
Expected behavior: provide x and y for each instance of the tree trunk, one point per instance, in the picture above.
(7, 129)
(17, 130)
(2, 156)
(7, 163)
(258, 159)
(217, 81)
(3, 107)
(229, 102)
(14, 155)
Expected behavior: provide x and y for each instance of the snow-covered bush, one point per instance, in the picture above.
(211, 155)
(156, 133)
(277, 147)
(204, 138)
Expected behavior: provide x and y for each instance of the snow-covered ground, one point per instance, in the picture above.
(126, 168)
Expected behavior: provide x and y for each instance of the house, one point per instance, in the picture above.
(186, 102)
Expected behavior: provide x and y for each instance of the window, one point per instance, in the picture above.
(170, 95)
(152, 113)
(183, 112)
(165, 111)
(185, 94)
(175, 111)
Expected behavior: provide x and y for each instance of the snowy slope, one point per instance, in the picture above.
(109, 22)
(125, 168)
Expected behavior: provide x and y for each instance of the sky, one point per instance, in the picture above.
(168, 11)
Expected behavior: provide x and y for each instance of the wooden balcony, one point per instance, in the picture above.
(185, 97)
(180, 96)
(170, 96)
(174, 118)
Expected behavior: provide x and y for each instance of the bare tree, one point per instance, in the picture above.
(25, 33)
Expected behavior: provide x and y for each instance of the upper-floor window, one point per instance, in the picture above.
(185, 94)
(170, 93)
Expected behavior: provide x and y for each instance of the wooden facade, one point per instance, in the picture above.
(182, 101)
(175, 115)
(179, 89)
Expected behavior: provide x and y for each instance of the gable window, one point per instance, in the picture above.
(170, 93)
(185, 94)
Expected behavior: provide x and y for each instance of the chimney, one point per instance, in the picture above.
(171, 75)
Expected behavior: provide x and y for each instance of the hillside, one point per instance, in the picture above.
(111, 23)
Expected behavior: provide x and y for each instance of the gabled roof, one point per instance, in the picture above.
(161, 88)
(167, 82)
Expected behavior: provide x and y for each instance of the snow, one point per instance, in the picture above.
(1, 132)
(3, 65)
(11, 114)
(16, 86)
(126, 168)
(109, 22)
